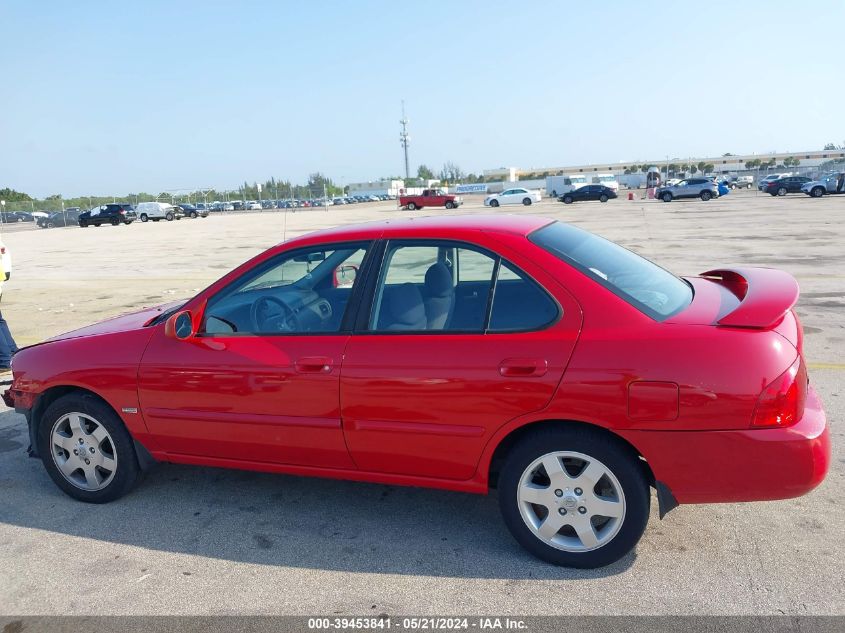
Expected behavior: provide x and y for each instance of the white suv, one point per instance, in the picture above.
(156, 211)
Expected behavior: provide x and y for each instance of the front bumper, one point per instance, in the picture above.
(740, 465)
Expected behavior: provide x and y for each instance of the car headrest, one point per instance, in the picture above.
(438, 280)
(406, 304)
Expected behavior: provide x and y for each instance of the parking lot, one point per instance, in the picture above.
(209, 541)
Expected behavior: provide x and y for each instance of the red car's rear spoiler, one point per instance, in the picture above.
(765, 295)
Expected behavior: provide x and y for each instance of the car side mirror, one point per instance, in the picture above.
(179, 326)
(344, 276)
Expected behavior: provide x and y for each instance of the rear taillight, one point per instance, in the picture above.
(782, 402)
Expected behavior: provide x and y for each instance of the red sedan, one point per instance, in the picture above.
(460, 353)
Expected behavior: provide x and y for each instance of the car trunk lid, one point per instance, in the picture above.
(745, 297)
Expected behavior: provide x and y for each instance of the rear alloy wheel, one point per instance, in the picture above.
(412, 206)
(168, 216)
(573, 497)
(86, 449)
(494, 203)
(782, 191)
(526, 202)
(567, 199)
(705, 195)
(144, 217)
(817, 192)
(193, 214)
(603, 197)
(115, 221)
(50, 225)
(450, 205)
(666, 197)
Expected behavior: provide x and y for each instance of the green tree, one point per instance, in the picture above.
(10, 195)
(425, 173)
(451, 172)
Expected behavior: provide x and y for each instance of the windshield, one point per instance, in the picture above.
(645, 285)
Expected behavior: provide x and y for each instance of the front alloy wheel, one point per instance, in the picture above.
(83, 451)
(574, 497)
(86, 449)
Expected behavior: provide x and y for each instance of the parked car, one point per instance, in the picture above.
(742, 182)
(516, 195)
(703, 188)
(430, 198)
(156, 211)
(783, 186)
(534, 357)
(193, 211)
(588, 192)
(59, 218)
(829, 183)
(253, 205)
(114, 213)
(16, 216)
(764, 182)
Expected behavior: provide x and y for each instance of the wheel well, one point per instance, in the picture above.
(54, 393)
(516, 435)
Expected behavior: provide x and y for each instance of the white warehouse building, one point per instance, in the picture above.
(376, 188)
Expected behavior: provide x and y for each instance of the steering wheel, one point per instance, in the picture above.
(264, 320)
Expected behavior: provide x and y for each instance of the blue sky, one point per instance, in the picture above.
(119, 97)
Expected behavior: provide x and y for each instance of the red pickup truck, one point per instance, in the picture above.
(430, 198)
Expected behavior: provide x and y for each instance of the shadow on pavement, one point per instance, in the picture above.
(280, 520)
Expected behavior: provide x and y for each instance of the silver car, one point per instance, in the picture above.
(833, 182)
(703, 188)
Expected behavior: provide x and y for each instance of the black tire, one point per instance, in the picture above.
(168, 216)
(83, 224)
(603, 198)
(567, 200)
(412, 206)
(127, 472)
(144, 217)
(782, 191)
(494, 203)
(705, 195)
(50, 225)
(194, 214)
(615, 455)
(115, 221)
(749, 186)
(450, 205)
(526, 202)
(666, 197)
(817, 192)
